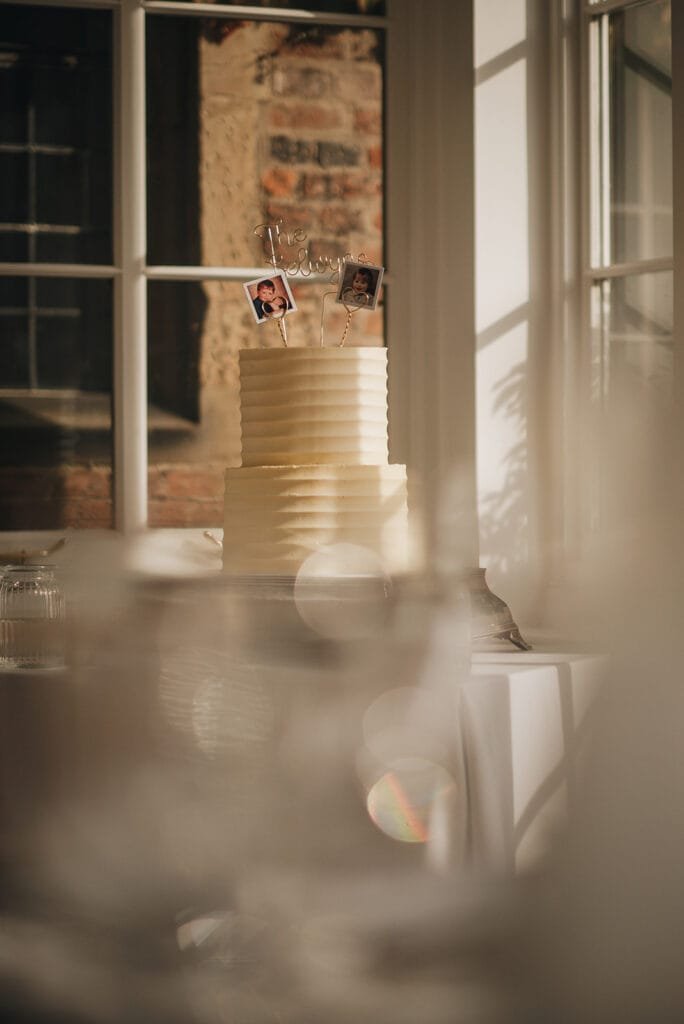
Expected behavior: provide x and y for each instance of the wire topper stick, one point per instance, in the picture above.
(277, 312)
(350, 312)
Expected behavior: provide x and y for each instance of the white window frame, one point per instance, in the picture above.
(130, 271)
(581, 261)
(429, 227)
(598, 266)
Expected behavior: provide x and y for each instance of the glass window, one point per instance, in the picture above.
(55, 404)
(248, 121)
(55, 207)
(631, 365)
(633, 328)
(261, 122)
(641, 133)
(55, 135)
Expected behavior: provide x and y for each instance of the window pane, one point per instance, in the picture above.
(195, 332)
(640, 347)
(260, 121)
(634, 319)
(55, 134)
(14, 205)
(641, 133)
(14, 357)
(13, 247)
(55, 404)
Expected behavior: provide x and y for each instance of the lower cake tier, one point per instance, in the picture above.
(276, 516)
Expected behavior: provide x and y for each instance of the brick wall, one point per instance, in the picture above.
(80, 496)
(290, 127)
(322, 166)
(50, 497)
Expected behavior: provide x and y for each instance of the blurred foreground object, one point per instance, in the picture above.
(241, 804)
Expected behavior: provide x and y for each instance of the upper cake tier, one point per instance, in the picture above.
(313, 406)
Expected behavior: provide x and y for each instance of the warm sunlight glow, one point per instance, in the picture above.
(507, 149)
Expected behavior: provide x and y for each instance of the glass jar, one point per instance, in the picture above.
(32, 614)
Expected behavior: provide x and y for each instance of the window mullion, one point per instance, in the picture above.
(605, 130)
(130, 295)
(255, 12)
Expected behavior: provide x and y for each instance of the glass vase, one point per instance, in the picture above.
(32, 614)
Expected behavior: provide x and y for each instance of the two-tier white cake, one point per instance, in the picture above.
(315, 467)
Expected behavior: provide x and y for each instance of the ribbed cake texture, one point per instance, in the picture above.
(315, 467)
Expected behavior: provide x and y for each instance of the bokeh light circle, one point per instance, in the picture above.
(341, 592)
(408, 721)
(403, 801)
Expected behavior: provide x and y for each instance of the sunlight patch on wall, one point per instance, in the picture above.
(502, 449)
(502, 209)
(499, 25)
(501, 202)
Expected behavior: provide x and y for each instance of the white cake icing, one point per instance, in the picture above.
(315, 467)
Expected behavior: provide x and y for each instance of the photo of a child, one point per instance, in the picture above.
(360, 285)
(270, 297)
(276, 308)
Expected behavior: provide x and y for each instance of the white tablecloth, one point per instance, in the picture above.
(524, 719)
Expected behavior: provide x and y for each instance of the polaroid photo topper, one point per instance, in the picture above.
(359, 285)
(270, 297)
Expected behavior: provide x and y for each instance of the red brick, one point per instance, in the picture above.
(340, 219)
(193, 482)
(90, 514)
(293, 216)
(86, 482)
(181, 513)
(305, 115)
(279, 182)
(368, 120)
(311, 83)
(316, 186)
(354, 81)
(375, 157)
(355, 185)
(339, 186)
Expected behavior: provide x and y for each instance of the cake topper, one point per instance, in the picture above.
(270, 298)
(359, 288)
(284, 250)
(358, 280)
(359, 284)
